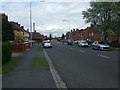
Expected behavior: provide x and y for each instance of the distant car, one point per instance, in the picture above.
(70, 42)
(100, 45)
(46, 43)
(77, 41)
(83, 43)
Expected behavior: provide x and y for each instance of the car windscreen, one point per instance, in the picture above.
(84, 42)
(102, 43)
(47, 42)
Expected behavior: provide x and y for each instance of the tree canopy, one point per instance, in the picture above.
(7, 32)
(63, 36)
(18, 36)
(106, 15)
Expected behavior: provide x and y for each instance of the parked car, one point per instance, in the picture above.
(83, 43)
(77, 41)
(100, 45)
(46, 43)
(70, 42)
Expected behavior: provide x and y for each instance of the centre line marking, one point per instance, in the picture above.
(103, 56)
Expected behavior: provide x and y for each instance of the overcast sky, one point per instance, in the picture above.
(48, 16)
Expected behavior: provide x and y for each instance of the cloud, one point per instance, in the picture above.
(48, 16)
(47, 0)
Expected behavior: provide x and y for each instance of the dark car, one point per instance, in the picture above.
(70, 42)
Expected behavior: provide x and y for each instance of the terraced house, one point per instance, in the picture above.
(89, 33)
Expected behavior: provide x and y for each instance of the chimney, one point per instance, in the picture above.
(22, 27)
(27, 30)
(4, 16)
(73, 30)
(19, 25)
(33, 27)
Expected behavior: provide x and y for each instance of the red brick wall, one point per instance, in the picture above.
(18, 48)
(85, 35)
(77, 35)
(96, 36)
(113, 38)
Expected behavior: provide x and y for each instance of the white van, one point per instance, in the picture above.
(83, 43)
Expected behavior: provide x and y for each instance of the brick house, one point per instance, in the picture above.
(89, 33)
(4, 16)
(26, 33)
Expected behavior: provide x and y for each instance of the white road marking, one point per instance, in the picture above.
(103, 56)
(58, 80)
(82, 51)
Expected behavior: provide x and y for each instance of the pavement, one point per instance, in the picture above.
(24, 76)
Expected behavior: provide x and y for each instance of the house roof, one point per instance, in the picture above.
(36, 34)
(15, 27)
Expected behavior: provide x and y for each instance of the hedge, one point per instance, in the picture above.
(6, 52)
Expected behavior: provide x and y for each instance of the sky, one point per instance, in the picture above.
(48, 16)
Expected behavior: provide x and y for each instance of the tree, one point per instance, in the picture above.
(106, 15)
(50, 36)
(18, 36)
(63, 36)
(7, 32)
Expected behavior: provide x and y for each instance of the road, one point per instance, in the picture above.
(83, 67)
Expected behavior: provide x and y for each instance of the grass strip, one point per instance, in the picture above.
(8, 67)
(39, 63)
(114, 49)
(40, 48)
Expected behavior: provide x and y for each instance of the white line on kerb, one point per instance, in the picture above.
(103, 56)
(58, 80)
(82, 51)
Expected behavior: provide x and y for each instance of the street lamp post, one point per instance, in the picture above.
(31, 21)
(30, 25)
(69, 23)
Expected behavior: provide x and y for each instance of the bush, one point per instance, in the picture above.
(6, 52)
(7, 32)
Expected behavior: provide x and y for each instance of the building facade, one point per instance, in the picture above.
(89, 34)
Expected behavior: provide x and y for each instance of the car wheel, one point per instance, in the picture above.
(98, 48)
(101, 49)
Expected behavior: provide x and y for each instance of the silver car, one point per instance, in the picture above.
(83, 43)
(100, 45)
(47, 43)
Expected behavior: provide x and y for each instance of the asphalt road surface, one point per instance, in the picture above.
(81, 67)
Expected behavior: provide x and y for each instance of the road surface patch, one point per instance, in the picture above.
(71, 48)
(58, 80)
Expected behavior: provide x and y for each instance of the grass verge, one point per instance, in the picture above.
(40, 63)
(8, 67)
(114, 49)
(40, 48)
(75, 45)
